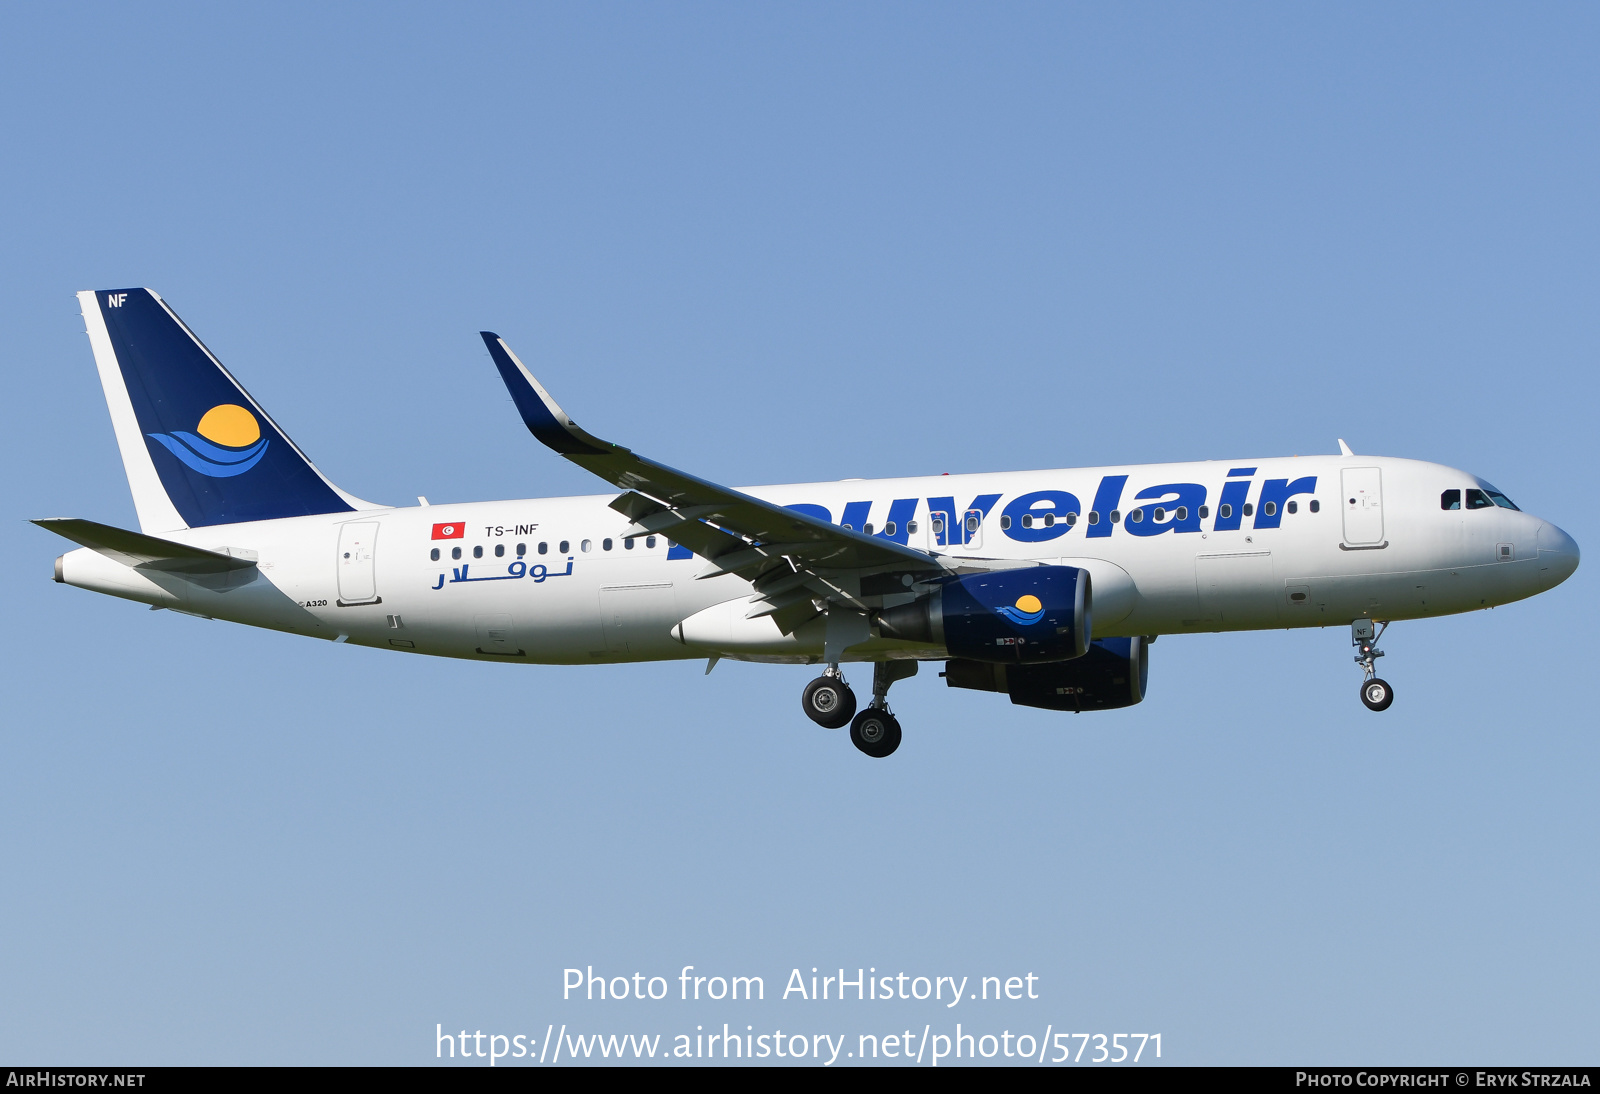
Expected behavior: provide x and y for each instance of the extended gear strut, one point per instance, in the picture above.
(1364, 636)
(1376, 693)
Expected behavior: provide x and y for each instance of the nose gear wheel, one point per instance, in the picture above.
(1377, 694)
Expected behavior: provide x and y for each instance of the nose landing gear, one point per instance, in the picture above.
(1376, 694)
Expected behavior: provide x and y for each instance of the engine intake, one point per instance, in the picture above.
(1026, 616)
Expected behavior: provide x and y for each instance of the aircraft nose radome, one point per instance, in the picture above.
(1558, 552)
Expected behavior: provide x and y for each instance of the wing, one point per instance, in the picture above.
(793, 558)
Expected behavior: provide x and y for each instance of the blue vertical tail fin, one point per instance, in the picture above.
(197, 448)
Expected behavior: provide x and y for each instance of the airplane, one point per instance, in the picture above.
(1047, 586)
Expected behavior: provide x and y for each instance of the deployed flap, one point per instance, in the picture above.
(710, 520)
(138, 549)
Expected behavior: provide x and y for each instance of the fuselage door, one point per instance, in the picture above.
(1237, 589)
(955, 530)
(638, 619)
(1363, 506)
(496, 636)
(357, 578)
(972, 528)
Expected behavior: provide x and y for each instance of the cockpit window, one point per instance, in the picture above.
(1450, 499)
(1498, 498)
(1477, 499)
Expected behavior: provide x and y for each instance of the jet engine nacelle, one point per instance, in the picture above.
(1026, 616)
(1112, 674)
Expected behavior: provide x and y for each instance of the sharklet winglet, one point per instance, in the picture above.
(541, 414)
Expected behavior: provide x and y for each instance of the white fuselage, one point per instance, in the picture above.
(1377, 543)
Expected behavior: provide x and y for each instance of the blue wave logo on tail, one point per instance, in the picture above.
(229, 442)
(1028, 609)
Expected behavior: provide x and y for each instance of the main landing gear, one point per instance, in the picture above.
(876, 732)
(1364, 635)
(829, 702)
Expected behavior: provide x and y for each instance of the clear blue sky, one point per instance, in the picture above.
(772, 244)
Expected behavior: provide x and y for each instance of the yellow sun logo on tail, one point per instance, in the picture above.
(230, 425)
(226, 442)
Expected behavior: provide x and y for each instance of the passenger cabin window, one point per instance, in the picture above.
(455, 552)
(1249, 510)
(1450, 499)
(477, 552)
(890, 528)
(605, 545)
(1094, 517)
(1072, 519)
(911, 527)
(1224, 511)
(627, 545)
(522, 549)
(1205, 511)
(565, 546)
(499, 550)
(434, 554)
(1477, 499)
(1270, 509)
(650, 542)
(1316, 506)
(1005, 523)
(544, 548)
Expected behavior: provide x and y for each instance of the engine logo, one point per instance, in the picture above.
(1027, 610)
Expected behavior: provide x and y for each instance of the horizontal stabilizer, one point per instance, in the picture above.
(138, 549)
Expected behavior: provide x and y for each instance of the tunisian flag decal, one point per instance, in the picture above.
(449, 531)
